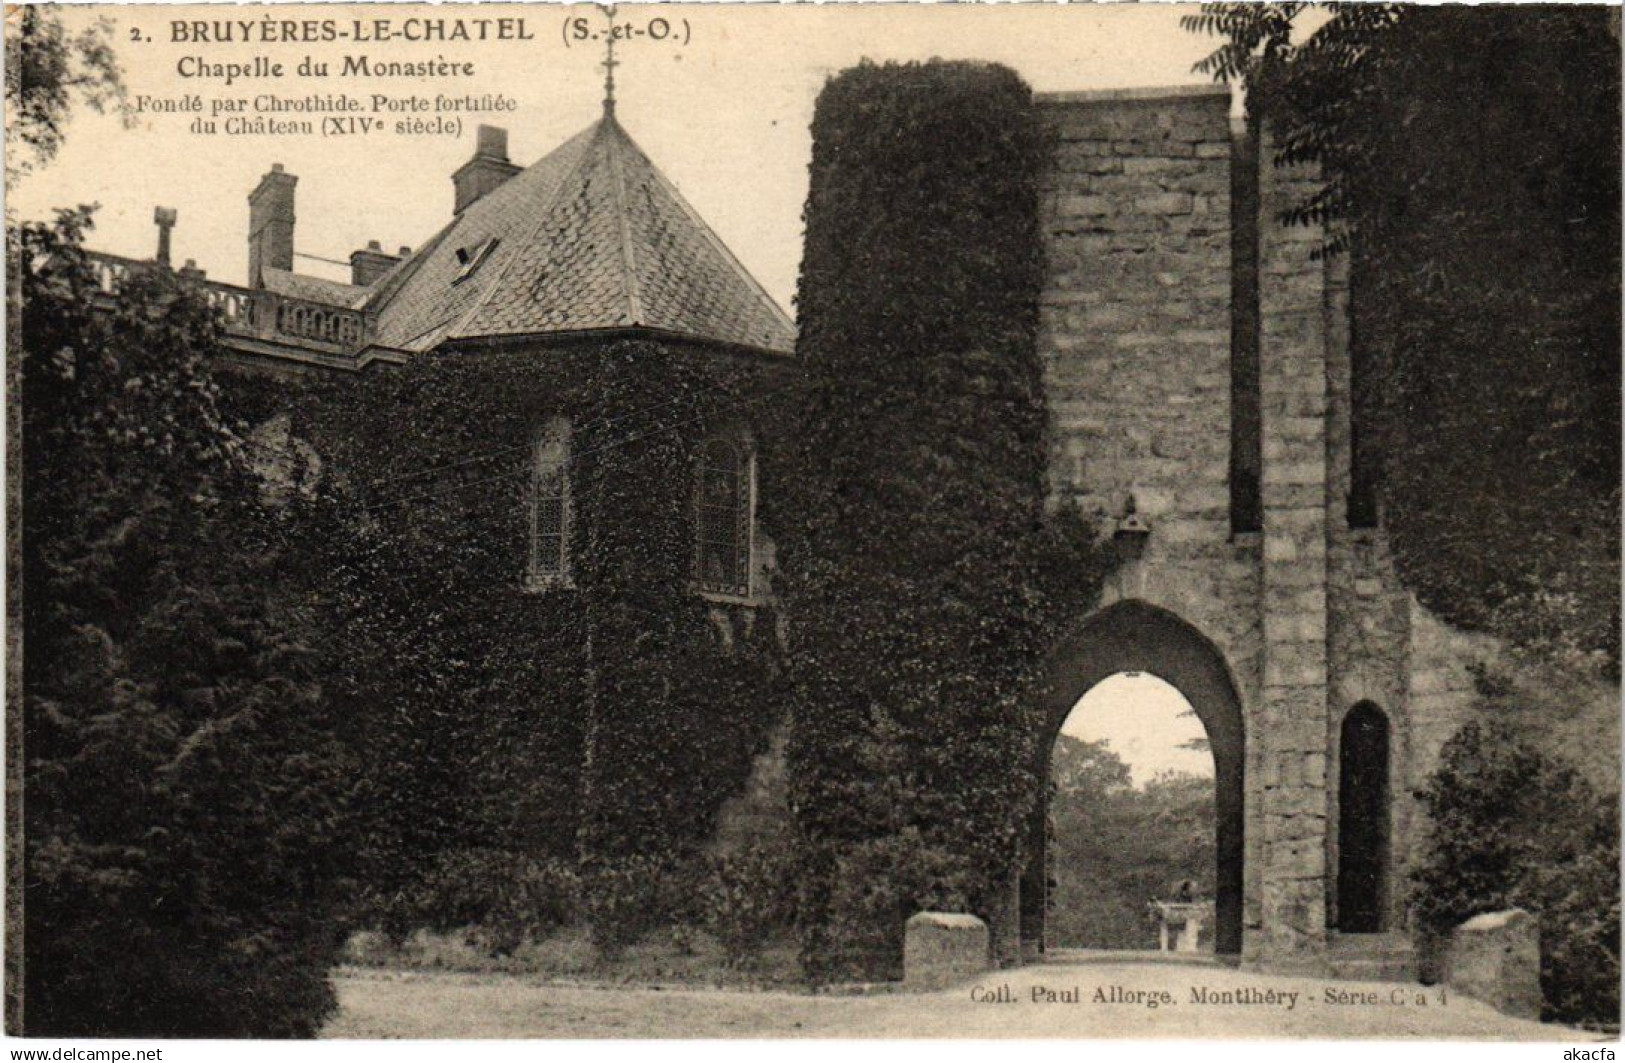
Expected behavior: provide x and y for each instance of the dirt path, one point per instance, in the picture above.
(1084, 997)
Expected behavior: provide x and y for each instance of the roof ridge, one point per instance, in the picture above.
(629, 266)
(541, 220)
(396, 279)
(712, 238)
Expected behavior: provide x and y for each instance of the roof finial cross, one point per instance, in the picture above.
(610, 62)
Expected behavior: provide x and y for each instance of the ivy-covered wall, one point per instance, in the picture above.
(607, 715)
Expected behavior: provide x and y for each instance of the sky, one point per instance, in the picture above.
(725, 115)
(1144, 721)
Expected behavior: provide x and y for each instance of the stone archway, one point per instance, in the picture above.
(1133, 636)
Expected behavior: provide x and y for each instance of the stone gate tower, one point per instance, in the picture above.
(1198, 372)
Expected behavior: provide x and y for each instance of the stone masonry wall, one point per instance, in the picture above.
(1136, 337)
(1292, 367)
(1148, 294)
(1368, 618)
(1136, 340)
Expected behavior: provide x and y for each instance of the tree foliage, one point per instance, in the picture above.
(1116, 847)
(1471, 164)
(184, 785)
(919, 567)
(1513, 826)
(46, 68)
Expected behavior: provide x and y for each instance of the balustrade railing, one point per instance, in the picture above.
(236, 305)
(110, 272)
(258, 313)
(304, 320)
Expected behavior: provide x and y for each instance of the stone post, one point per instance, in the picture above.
(941, 948)
(1495, 957)
(164, 218)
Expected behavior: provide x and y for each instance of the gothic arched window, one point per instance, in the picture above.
(722, 517)
(549, 505)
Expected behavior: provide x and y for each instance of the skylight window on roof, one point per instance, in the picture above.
(470, 258)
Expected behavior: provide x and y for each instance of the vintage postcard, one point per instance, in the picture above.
(840, 521)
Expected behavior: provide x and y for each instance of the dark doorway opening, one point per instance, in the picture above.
(1362, 821)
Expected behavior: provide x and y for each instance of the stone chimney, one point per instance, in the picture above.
(486, 170)
(370, 263)
(270, 224)
(164, 218)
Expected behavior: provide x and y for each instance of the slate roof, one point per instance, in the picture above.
(591, 237)
(316, 289)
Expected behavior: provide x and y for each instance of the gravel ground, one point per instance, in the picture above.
(1083, 996)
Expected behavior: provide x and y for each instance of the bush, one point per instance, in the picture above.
(624, 898)
(507, 898)
(611, 720)
(186, 824)
(1515, 827)
(748, 899)
(877, 885)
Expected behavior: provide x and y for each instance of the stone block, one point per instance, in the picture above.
(1164, 203)
(1301, 628)
(1083, 206)
(1301, 497)
(1152, 166)
(1155, 501)
(941, 948)
(1188, 532)
(1202, 498)
(1299, 672)
(1303, 575)
(1297, 472)
(1295, 860)
(1280, 600)
(1495, 957)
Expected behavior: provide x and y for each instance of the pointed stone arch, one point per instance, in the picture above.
(1135, 636)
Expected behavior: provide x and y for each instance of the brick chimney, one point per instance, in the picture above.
(486, 170)
(270, 224)
(370, 263)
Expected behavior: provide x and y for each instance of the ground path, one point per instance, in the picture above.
(417, 1004)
